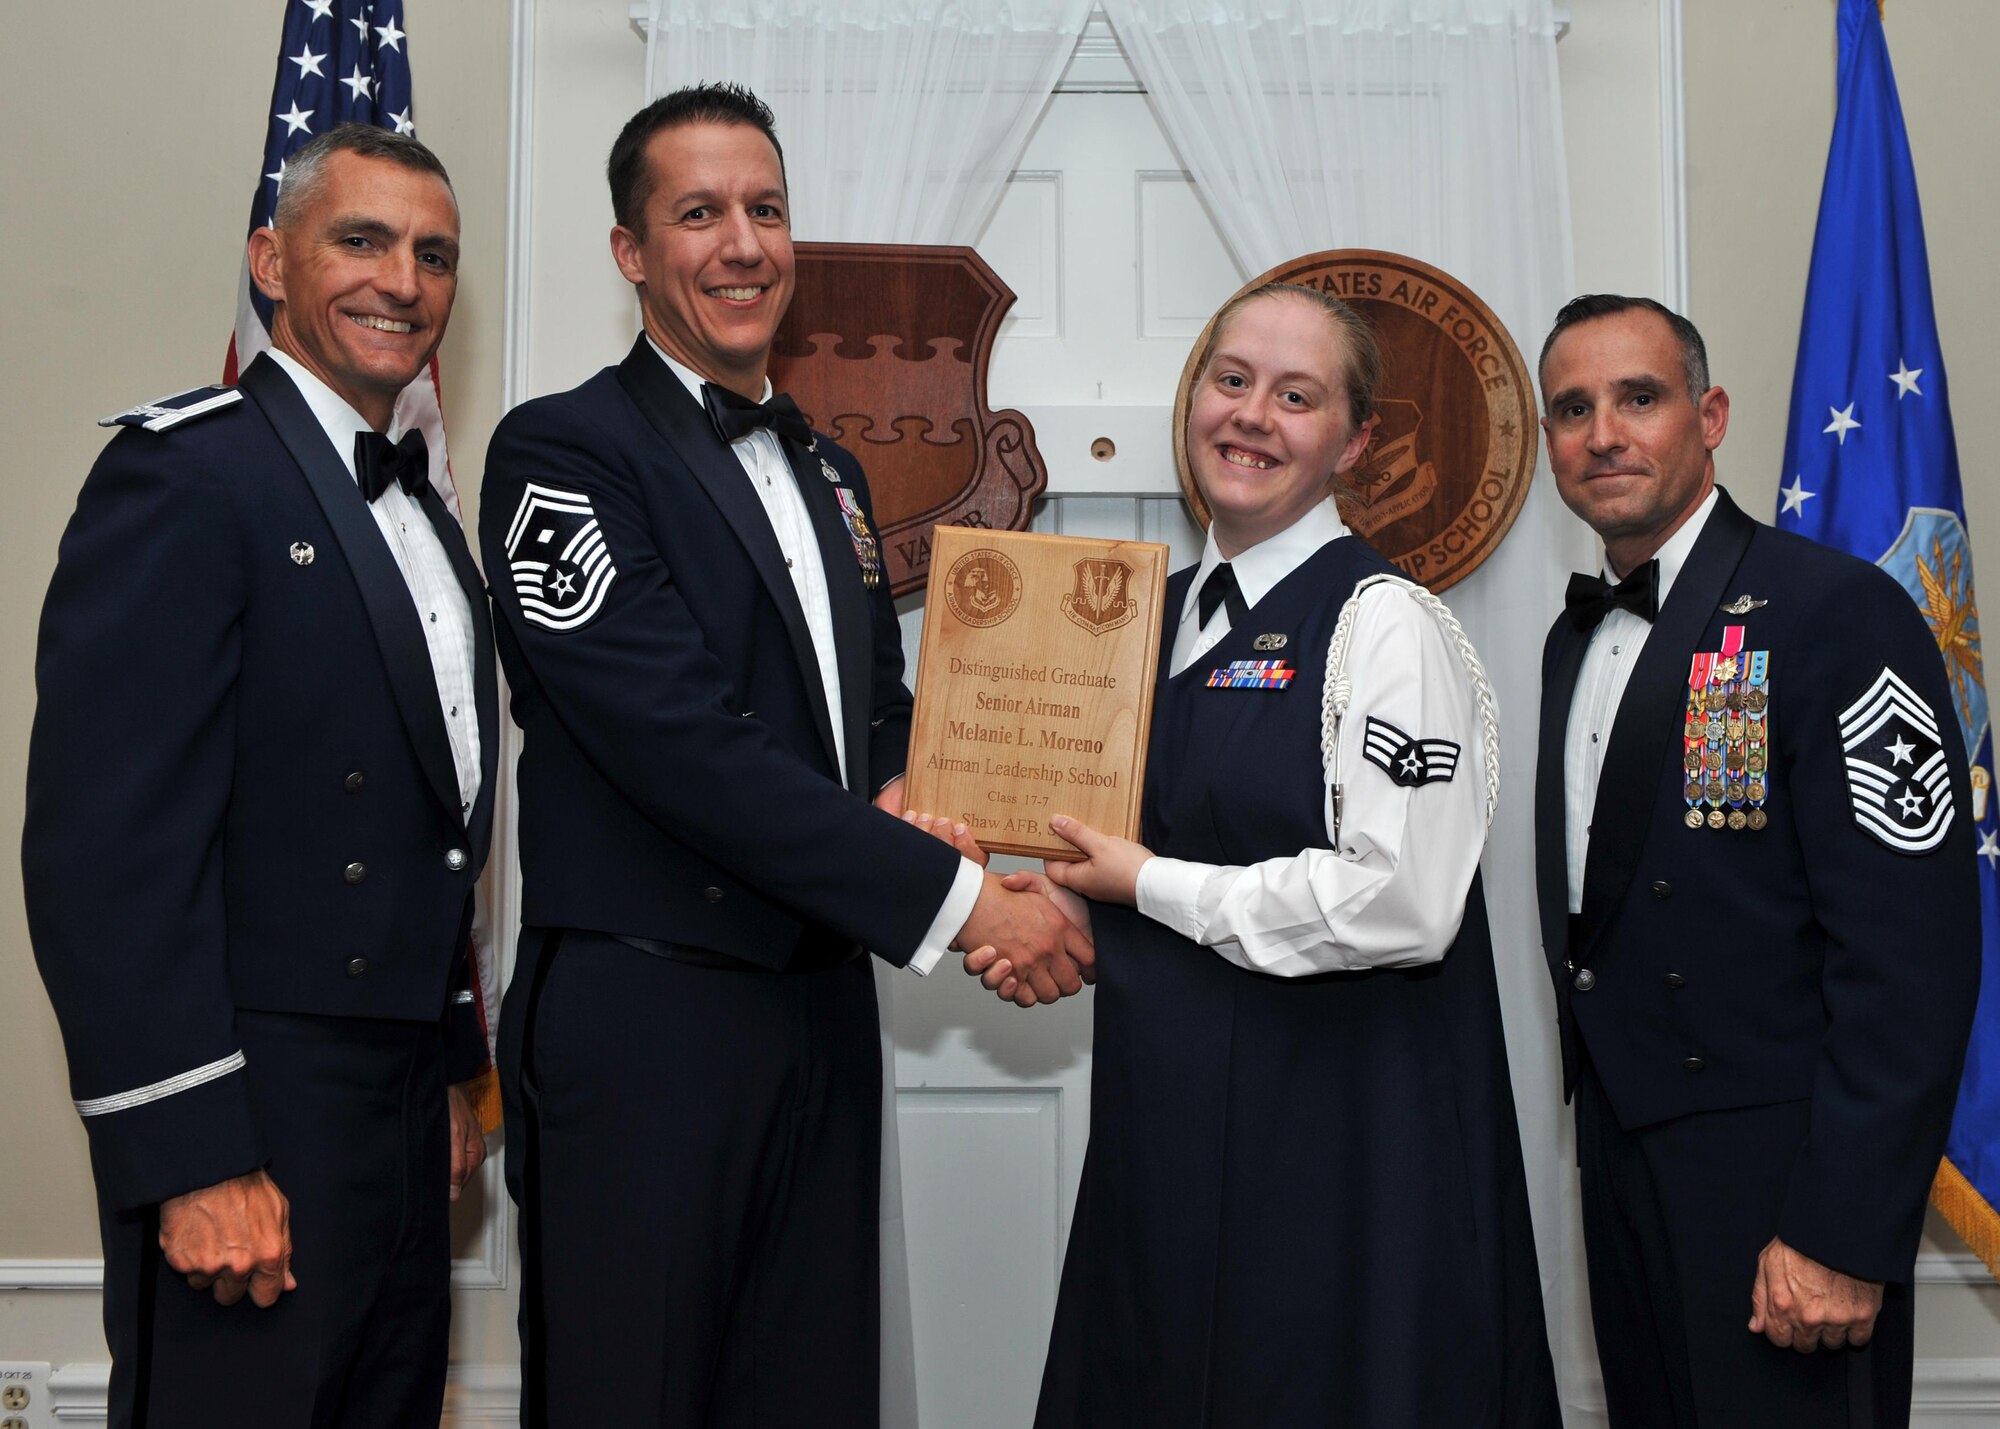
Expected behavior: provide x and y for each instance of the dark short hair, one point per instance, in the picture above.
(1361, 362)
(632, 178)
(305, 170)
(1694, 352)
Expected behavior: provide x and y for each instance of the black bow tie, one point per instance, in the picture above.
(1591, 598)
(379, 461)
(736, 416)
(1221, 589)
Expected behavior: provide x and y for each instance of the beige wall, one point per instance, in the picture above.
(134, 138)
(1759, 95)
(126, 184)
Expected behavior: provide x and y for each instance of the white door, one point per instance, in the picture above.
(1116, 267)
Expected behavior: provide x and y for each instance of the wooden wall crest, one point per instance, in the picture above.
(1456, 422)
(886, 348)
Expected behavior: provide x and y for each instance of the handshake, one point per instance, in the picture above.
(1027, 938)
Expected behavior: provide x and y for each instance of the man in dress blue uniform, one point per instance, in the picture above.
(707, 667)
(1759, 907)
(259, 793)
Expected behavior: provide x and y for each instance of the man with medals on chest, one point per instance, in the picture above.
(260, 791)
(707, 667)
(1758, 905)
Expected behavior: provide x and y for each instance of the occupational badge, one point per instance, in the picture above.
(1270, 642)
(1407, 761)
(561, 566)
(1897, 778)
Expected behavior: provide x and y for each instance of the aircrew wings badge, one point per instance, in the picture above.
(1897, 777)
(1408, 761)
(562, 568)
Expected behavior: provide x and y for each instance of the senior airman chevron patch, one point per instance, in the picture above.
(1897, 777)
(1408, 761)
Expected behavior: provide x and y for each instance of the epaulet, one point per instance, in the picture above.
(172, 411)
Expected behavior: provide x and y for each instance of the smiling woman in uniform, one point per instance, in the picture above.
(1303, 1200)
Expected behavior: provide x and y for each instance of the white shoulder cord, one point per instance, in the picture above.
(1339, 690)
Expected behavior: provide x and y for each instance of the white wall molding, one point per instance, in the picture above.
(475, 1394)
(1946, 1393)
(1946, 1267)
(1673, 160)
(487, 1270)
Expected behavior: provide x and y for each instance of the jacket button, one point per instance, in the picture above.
(353, 782)
(455, 860)
(1585, 980)
(357, 966)
(713, 895)
(1662, 888)
(355, 872)
(1676, 980)
(1694, 1064)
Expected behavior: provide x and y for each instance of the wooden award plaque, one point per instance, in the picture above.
(1035, 684)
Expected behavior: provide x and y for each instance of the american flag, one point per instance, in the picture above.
(345, 61)
(341, 61)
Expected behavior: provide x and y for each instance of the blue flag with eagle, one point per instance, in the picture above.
(1871, 467)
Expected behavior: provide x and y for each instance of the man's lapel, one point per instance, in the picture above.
(847, 598)
(399, 633)
(692, 442)
(1649, 716)
(479, 821)
(1562, 658)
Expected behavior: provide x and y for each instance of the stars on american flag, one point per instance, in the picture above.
(339, 61)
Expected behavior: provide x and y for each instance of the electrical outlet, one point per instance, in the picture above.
(24, 1394)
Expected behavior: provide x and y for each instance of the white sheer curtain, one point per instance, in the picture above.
(1431, 128)
(900, 120)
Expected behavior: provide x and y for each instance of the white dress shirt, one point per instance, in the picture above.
(1393, 893)
(1600, 686)
(427, 571)
(763, 458)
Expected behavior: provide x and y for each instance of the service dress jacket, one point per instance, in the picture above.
(679, 781)
(240, 788)
(1813, 958)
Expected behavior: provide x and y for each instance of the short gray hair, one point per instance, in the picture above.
(1694, 352)
(305, 171)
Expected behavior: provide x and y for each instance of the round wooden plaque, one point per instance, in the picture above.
(1455, 425)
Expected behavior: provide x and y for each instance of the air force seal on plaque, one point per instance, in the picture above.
(562, 568)
(1098, 602)
(1897, 778)
(1409, 762)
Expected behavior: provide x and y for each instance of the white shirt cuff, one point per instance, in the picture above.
(951, 916)
(1169, 892)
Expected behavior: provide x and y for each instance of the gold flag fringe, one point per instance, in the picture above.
(1970, 1215)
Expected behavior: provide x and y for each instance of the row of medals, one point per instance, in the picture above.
(1727, 737)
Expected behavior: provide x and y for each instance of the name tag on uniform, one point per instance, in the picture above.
(1252, 675)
